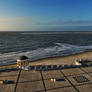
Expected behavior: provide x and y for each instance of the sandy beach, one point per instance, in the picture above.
(63, 59)
(27, 80)
(60, 60)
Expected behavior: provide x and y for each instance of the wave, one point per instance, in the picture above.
(58, 50)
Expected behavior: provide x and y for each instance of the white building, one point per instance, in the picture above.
(22, 62)
(77, 62)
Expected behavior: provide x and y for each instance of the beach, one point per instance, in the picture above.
(58, 60)
(39, 45)
(76, 79)
(63, 60)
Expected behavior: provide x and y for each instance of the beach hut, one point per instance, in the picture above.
(22, 61)
(78, 62)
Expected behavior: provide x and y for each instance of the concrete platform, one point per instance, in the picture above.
(74, 82)
(9, 73)
(30, 86)
(30, 76)
(85, 88)
(72, 71)
(8, 87)
(53, 85)
(40, 81)
(52, 74)
(88, 69)
(69, 89)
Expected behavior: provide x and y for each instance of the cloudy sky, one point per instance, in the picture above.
(45, 15)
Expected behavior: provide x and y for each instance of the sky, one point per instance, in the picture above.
(45, 15)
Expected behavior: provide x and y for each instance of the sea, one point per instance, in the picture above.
(38, 45)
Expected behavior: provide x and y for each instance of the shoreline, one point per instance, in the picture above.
(62, 56)
(63, 59)
(57, 60)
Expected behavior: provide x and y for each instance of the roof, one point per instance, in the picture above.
(22, 58)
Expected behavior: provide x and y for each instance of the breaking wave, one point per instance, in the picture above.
(59, 49)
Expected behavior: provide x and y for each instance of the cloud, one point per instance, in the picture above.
(16, 23)
(21, 23)
(67, 22)
(15, 20)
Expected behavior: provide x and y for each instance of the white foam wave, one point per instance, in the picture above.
(58, 49)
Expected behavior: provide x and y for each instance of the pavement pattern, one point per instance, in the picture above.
(68, 80)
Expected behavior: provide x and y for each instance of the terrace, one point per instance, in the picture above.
(69, 79)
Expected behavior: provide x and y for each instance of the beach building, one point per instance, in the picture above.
(22, 62)
(78, 62)
(82, 62)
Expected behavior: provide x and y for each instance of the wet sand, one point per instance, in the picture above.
(70, 59)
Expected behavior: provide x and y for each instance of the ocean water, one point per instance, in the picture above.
(37, 45)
